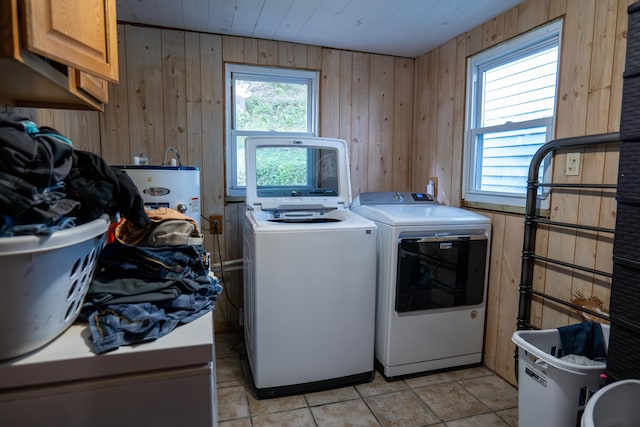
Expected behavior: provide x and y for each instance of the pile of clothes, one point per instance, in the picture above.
(46, 185)
(153, 274)
(149, 281)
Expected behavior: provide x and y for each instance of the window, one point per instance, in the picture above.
(296, 171)
(511, 99)
(263, 101)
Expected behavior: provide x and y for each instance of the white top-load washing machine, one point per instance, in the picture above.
(431, 282)
(310, 263)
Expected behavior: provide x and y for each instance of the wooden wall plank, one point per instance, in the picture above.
(620, 49)
(604, 261)
(144, 84)
(531, 14)
(212, 142)
(267, 52)
(575, 63)
(557, 8)
(402, 123)
(114, 123)
(344, 99)
(380, 163)
(250, 47)
(510, 278)
(174, 103)
(600, 73)
(330, 89)
(81, 127)
(314, 57)
(445, 114)
(475, 40)
(233, 49)
(193, 100)
(539, 274)
(211, 148)
(510, 23)
(491, 342)
(292, 55)
(422, 164)
(493, 31)
(592, 170)
(359, 147)
(457, 143)
(432, 134)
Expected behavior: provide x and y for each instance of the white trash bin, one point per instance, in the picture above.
(615, 405)
(551, 391)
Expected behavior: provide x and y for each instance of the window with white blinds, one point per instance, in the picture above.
(511, 98)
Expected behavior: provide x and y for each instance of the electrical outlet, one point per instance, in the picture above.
(573, 164)
(215, 224)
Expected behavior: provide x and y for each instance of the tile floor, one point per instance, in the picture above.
(473, 397)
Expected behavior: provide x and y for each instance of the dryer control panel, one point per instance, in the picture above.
(394, 198)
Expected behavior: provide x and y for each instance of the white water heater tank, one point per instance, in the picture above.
(175, 187)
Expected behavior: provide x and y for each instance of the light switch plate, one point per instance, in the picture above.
(573, 164)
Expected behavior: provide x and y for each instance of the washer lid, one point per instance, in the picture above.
(305, 174)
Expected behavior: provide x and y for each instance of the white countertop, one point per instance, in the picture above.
(70, 356)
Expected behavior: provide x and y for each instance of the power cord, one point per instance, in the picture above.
(214, 224)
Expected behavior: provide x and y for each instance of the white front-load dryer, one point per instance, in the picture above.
(310, 265)
(431, 282)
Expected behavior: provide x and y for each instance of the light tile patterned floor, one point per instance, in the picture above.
(473, 397)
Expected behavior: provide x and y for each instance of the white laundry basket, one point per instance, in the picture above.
(615, 405)
(44, 280)
(552, 392)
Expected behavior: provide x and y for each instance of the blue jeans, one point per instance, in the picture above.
(8, 228)
(132, 290)
(114, 325)
(124, 324)
(147, 262)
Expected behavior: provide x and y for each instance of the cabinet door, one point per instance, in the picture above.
(92, 85)
(78, 33)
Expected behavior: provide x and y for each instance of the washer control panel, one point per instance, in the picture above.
(394, 198)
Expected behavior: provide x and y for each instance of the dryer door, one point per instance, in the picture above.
(440, 272)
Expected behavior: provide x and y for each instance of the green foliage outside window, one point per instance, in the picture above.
(281, 167)
(271, 106)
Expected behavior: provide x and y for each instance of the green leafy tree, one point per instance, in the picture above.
(273, 106)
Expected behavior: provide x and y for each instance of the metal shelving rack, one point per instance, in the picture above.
(533, 219)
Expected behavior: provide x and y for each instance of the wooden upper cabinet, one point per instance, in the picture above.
(79, 33)
(57, 53)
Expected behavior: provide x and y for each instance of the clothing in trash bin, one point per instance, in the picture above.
(583, 339)
(582, 360)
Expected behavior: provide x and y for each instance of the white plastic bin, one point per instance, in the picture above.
(616, 405)
(552, 392)
(44, 282)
